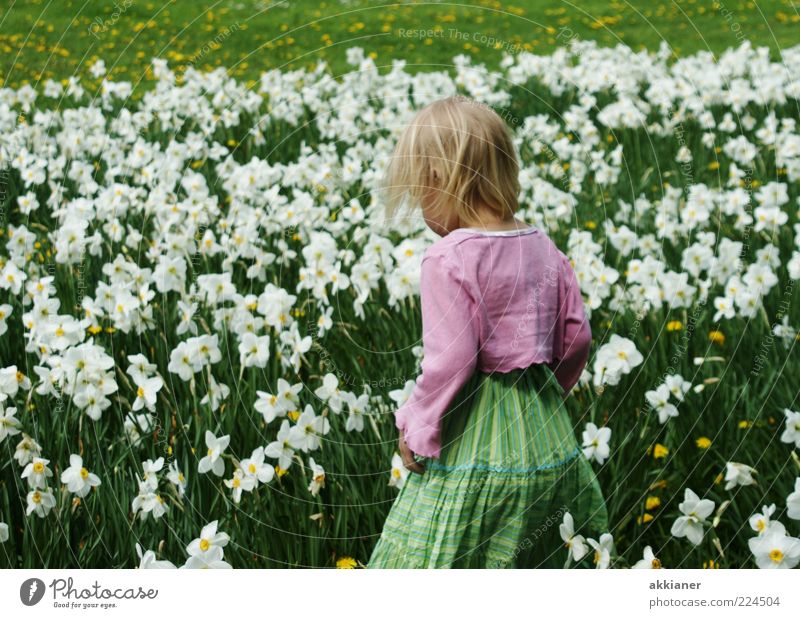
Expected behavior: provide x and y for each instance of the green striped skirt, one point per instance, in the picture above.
(509, 469)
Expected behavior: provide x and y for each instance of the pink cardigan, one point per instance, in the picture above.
(491, 301)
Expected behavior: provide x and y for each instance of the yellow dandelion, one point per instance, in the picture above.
(652, 502)
(346, 562)
(674, 325)
(703, 442)
(716, 336)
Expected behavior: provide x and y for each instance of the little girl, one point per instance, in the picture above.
(494, 459)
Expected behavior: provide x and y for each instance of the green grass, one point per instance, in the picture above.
(44, 39)
(740, 414)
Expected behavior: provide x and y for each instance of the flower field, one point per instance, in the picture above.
(206, 321)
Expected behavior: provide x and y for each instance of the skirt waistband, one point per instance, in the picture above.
(514, 421)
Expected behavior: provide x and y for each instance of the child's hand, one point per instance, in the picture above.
(408, 457)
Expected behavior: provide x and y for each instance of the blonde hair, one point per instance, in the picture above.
(462, 148)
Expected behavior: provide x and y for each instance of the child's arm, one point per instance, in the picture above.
(573, 335)
(450, 351)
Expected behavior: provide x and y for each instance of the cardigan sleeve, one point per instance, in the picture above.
(450, 351)
(573, 335)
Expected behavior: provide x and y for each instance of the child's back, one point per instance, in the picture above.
(492, 302)
(505, 337)
(525, 291)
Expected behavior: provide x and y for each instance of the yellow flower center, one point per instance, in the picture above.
(37, 497)
(776, 555)
(84, 473)
(252, 468)
(38, 467)
(655, 563)
(140, 392)
(204, 544)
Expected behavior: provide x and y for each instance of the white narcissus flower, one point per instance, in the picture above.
(317, 477)
(659, 400)
(9, 424)
(148, 502)
(146, 392)
(40, 501)
(11, 380)
(5, 311)
(284, 446)
(775, 550)
(294, 347)
(399, 472)
(254, 350)
(762, 522)
(240, 483)
(793, 501)
(139, 368)
(37, 473)
(357, 407)
(575, 542)
(791, 433)
(648, 561)
(213, 460)
(400, 396)
(595, 442)
(677, 386)
(724, 307)
(217, 393)
(150, 472)
(602, 550)
(27, 450)
(147, 560)
(176, 477)
(209, 539)
(3, 532)
(211, 559)
(309, 430)
(324, 322)
(255, 467)
(273, 406)
(78, 479)
(617, 357)
(330, 393)
(695, 512)
(267, 406)
(738, 474)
